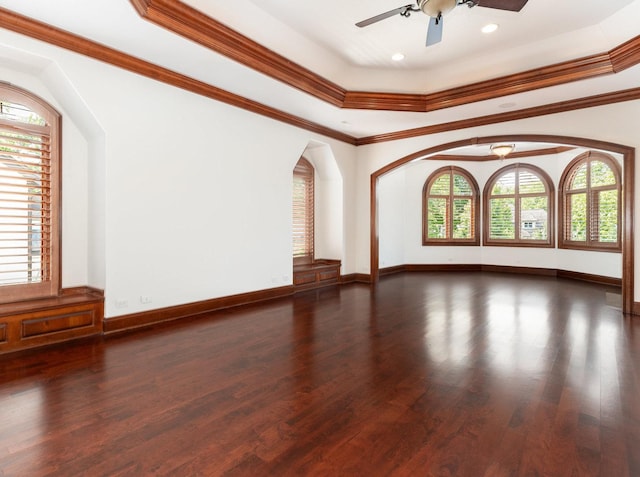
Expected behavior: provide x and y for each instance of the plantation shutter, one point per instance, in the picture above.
(520, 207)
(449, 203)
(303, 207)
(591, 197)
(25, 203)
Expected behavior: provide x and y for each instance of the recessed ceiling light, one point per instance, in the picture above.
(490, 28)
(507, 105)
(397, 57)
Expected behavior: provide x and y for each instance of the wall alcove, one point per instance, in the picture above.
(626, 154)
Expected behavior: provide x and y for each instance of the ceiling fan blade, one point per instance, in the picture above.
(382, 16)
(434, 31)
(510, 5)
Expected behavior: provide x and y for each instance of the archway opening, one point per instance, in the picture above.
(628, 159)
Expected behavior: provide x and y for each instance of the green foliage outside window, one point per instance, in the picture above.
(437, 212)
(450, 208)
(462, 214)
(578, 207)
(608, 216)
(592, 203)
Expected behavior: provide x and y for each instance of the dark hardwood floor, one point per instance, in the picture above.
(428, 374)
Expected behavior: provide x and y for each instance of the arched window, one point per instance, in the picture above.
(303, 208)
(450, 208)
(29, 196)
(518, 205)
(590, 203)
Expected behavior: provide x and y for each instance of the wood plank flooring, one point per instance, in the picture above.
(427, 374)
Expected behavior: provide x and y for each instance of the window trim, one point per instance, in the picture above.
(518, 242)
(305, 169)
(475, 198)
(50, 286)
(565, 243)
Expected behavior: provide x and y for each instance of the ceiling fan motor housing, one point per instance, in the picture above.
(433, 8)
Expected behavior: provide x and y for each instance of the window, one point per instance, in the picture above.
(590, 198)
(29, 196)
(303, 207)
(450, 208)
(519, 207)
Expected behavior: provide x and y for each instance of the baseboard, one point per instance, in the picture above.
(147, 318)
(547, 272)
(151, 317)
(355, 278)
(391, 270)
(444, 267)
(587, 277)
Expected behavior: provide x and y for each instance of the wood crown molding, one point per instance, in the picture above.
(69, 41)
(190, 23)
(624, 56)
(492, 157)
(554, 108)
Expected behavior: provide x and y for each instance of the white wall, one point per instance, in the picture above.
(328, 201)
(393, 218)
(174, 198)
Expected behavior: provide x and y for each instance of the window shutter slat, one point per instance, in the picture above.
(24, 205)
(450, 200)
(303, 211)
(591, 198)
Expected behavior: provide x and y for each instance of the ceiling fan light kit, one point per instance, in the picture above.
(436, 9)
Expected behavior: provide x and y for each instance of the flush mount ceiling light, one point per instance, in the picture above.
(502, 150)
(397, 57)
(489, 28)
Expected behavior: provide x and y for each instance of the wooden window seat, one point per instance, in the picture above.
(76, 312)
(316, 274)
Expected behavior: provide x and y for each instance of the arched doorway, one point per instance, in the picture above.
(627, 153)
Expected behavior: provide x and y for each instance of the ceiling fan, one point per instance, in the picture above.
(435, 9)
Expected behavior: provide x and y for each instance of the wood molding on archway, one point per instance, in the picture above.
(628, 190)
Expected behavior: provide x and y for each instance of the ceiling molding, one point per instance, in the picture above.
(553, 75)
(55, 36)
(626, 55)
(492, 157)
(560, 107)
(192, 24)
(629, 54)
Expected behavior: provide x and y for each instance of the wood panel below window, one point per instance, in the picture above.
(318, 274)
(76, 313)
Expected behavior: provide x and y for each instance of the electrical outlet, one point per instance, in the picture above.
(145, 299)
(122, 303)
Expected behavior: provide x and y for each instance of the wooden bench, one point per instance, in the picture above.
(319, 273)
(76, 313)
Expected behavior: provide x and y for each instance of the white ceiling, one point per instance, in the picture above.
(543, 33)
(322, 37)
